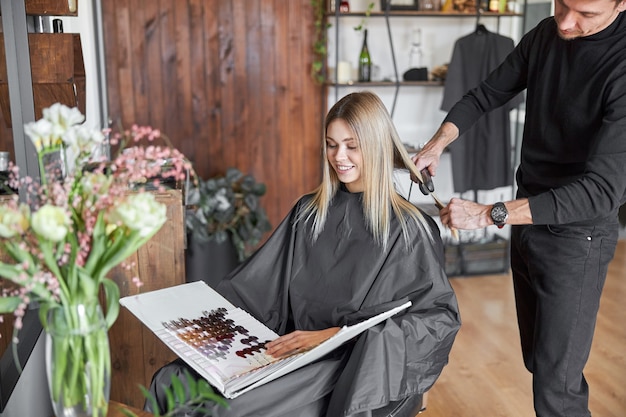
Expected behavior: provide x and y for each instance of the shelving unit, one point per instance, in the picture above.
(389, 15)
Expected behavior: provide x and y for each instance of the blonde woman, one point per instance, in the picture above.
(351, 249)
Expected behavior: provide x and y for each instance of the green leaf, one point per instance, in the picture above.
(47, 249)
(259, 189)
(112, 296)
(87, 286)
(98, 244)
(233, 175)
(179, 390)
(169, 396)
(9, 304)
(43, 314)
(10, 272)
(150, 398)
(127, 412)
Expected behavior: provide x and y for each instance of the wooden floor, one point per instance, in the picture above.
(486, 376)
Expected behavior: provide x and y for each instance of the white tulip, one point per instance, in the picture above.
(140, 212)
(13, 221)
(51, 222)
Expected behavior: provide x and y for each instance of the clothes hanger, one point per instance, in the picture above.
(480, 28)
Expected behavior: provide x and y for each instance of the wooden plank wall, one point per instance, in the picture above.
(6, 137)
(136, 353)
(227, 81)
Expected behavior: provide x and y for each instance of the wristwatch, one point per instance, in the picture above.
(499, 214)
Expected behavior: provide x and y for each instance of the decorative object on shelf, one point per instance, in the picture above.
(67, 235)
(365, 61)
(448, 6)
(363, 22)
(439, 72)
(344, 6)
(228, 207)
(399, 5)
(57, 26)
(4, 161)
(344, 72)
(416, 53)
(416, 74)
(465, 6)
(416, 71)
(513, 6)
(430, 6)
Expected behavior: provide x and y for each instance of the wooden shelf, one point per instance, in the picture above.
(51, 7)
(58, 72)
(418, 13)
(387, 84)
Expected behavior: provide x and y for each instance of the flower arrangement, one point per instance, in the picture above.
(228, 206)
(86, 216)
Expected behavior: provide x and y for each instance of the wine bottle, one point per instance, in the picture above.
(365, 62)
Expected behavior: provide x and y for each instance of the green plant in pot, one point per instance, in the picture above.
(226, 209)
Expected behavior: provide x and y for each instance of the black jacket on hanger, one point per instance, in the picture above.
(481, 159)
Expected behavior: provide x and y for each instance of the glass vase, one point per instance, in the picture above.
(78, 360)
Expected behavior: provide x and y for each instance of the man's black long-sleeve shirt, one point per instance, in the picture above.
(573, 158)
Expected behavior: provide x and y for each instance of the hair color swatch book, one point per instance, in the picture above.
(224, 343)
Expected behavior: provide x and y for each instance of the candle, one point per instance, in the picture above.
(344, 72)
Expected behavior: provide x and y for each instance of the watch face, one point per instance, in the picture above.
(499, 214)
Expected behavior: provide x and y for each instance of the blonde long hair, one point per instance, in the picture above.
(382, 151)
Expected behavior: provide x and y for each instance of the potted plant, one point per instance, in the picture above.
(225, 221)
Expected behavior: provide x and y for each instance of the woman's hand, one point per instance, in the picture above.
(298, 341)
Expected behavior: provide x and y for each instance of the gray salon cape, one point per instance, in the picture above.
(481, 157)
(342, 278)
